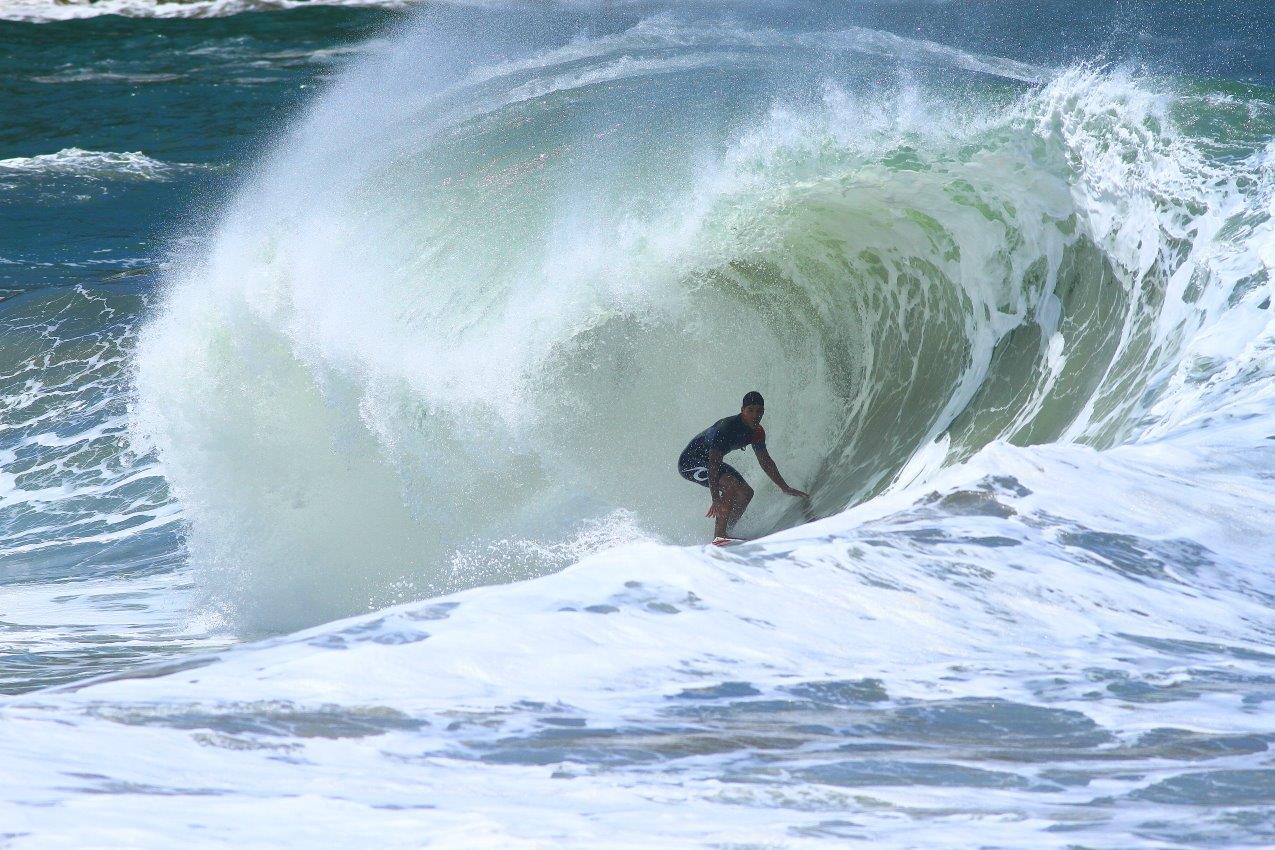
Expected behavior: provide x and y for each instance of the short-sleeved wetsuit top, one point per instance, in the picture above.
(725, 435)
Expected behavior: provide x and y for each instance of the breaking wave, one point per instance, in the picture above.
(457, 328)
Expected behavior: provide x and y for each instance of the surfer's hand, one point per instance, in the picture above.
(793, 491)
(715, 509)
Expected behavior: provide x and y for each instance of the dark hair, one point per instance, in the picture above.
(752, 397)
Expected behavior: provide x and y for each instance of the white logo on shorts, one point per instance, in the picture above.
(700, 473)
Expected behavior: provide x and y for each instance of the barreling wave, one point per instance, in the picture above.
(459, 326)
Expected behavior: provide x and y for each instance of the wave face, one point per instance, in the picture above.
(458, 326)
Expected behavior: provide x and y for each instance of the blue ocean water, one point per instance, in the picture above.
(346, 352)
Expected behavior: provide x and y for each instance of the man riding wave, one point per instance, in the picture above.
(701, 462)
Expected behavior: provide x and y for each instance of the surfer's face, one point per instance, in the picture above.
(752, 414)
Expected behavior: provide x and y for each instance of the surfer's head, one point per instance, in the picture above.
(752, 408)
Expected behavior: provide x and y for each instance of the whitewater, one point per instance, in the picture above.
(338, 505)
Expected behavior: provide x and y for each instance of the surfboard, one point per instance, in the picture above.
(727, 541)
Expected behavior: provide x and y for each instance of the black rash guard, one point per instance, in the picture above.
(724, 435)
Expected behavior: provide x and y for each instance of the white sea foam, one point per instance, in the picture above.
(675, 695)
(100, 165)
(47, 11)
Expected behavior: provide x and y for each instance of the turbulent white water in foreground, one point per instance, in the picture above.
(985, 666)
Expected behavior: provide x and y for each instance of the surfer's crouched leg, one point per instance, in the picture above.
(738, 494)
(735, 490)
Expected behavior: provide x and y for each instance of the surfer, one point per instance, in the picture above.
(701, 462)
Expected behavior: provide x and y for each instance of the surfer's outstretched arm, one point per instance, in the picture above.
(768, 466)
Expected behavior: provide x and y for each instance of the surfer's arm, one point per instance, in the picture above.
(768, 466)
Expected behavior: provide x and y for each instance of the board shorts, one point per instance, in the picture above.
(694, 468)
